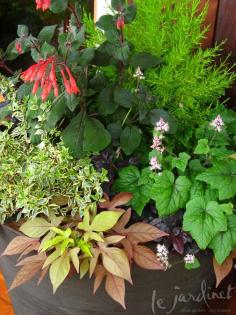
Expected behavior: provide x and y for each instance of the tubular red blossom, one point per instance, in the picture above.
(19, 48)
(36, 86)
(120, 23)
(66, 82)
(54, 79)
(73, 85)
(43, 4)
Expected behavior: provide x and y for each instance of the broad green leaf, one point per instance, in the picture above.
(107, 104)
(57, 111)
(224, 242)
(222, 176)
(181, 162)
(47, 50)
(204, 220)
(194, 265)
(59, 270)
(145, 60)
(128, 179)
(35, 228)
(123, 97)
(227, 208)
(96, 137)
(105, 22)
(46, 34)
(118, 5)
(93, 236)
(202, 147)
(58, 6)
(73, 135)
(130, 139)
(170, 194)
(105, 221)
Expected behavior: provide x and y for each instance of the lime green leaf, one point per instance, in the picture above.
(204, 220)
(85, 247)
(93, 236)
(169, 194)
(224, 242)
(56, 240)
(227, 208)
(84, 268)
(105, 221)
(195, 265)
(35, 228)
(181, 162)
(74, 257)
(202, 147)
(51, 258)
(59, 270)
(222, 176)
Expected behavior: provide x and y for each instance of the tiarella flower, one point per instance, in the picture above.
(189, 259)
(139, 74)
(19, 48)
(154, 164)
(43, 4)
(162, 126)
(157, 144)
(43, 74)
(217, 123)
(120, 23)
(162, 255)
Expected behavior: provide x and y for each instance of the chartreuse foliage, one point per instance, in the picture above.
(98, 244)
(188, 82)
(201, 180)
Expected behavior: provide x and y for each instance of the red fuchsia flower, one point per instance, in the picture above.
(120, 23)
(43, 4)
(43, 74)
(19, 48)
(69, 83)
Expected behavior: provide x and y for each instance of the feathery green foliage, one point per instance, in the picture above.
(188, 83)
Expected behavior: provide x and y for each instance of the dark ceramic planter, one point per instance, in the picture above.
(154, 292)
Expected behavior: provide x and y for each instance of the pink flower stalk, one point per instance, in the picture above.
(19, 48)
(157, 144)
(162, 126)
(154, 164)
(43, 4)
(217, 123)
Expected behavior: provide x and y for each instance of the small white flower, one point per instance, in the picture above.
(41, 146)
(217, 123)
(162, 255)
(154, 164)
(189, 259)
(162, 126)
(139, 74)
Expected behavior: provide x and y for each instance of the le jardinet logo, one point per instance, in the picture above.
(159, 306)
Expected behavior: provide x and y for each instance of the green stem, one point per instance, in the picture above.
(126, 117)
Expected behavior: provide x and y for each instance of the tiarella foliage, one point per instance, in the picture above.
(198, 179)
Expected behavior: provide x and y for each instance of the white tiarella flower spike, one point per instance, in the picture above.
(162, 126)
(154, 164)
(217, 123)
(162, 255)
(139, 74)
(189, 259)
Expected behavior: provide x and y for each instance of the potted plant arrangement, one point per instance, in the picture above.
(114, 137)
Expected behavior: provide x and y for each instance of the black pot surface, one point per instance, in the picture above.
(154, 292)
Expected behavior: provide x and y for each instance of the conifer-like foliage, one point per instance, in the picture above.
(188, 82)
